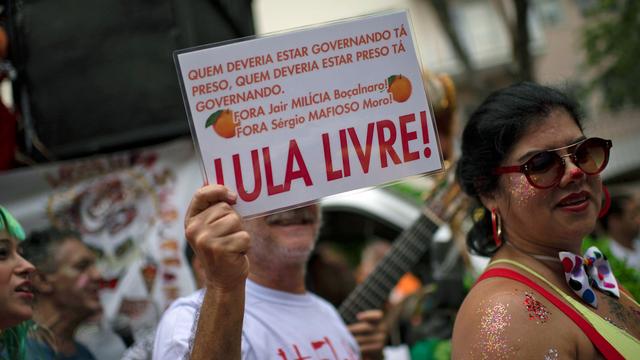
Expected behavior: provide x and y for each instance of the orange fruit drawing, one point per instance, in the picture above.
(223, 124)
(399, 87)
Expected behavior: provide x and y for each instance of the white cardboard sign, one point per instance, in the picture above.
(289, 118)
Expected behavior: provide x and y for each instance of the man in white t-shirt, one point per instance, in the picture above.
(254, 304)
(622, 225)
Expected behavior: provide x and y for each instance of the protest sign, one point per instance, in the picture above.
(287, 119)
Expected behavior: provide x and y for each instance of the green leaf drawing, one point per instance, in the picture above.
(390, 79)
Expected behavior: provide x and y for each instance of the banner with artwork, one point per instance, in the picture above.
(129, 209)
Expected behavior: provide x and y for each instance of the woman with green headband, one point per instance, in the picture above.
(16, 294)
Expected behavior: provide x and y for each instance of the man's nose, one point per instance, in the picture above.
(94, 273)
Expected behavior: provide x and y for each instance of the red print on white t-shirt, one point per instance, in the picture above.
(323, 350)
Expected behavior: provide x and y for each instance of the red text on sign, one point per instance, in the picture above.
(386, 134)
(295, 169)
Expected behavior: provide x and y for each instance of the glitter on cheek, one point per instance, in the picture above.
(521, 189)
(552, 354)
(537, 311)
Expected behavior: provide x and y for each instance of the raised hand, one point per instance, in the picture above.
(214, 231)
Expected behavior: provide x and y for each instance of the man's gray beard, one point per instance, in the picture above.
(266, 250)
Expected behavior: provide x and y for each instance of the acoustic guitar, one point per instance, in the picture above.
(446, 204)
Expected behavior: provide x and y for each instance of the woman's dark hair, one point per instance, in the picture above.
(492, 131)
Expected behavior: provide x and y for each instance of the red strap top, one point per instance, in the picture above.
(605, 348)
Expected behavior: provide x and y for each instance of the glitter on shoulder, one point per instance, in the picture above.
(493, 326)
(552, 354)
(537, 311)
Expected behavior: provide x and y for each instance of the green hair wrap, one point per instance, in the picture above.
(9, 224)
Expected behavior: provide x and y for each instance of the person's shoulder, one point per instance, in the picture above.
(323, 304)
(193, 300)
(503, 317)
(175, 327)
(500, 294)
(83, 353)
(320, 300)
(36, 349)
(183, 309)
(497, 288)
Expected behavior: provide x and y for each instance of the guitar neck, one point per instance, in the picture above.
(407, 249)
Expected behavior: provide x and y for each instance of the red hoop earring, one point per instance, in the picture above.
(496, 225)
(607, 203)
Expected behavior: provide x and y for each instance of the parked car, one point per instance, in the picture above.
(353, 218)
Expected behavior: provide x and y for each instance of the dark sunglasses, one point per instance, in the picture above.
(545, 169)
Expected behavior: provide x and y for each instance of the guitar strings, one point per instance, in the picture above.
(378, 284)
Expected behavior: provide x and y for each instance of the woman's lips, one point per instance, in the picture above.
(25, 295)
(25, 290)
(575, 202)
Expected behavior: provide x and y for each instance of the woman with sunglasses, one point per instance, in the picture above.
(16, 295)
(527, 161)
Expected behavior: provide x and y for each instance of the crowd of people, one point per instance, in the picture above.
(562, 281)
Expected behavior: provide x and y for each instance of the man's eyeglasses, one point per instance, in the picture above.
(545, 169)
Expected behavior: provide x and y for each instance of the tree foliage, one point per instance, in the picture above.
(612, 45)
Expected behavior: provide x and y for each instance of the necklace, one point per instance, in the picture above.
(535, 256)
(545, 258)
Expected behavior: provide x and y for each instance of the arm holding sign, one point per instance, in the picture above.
(209, 324)
(214, 230)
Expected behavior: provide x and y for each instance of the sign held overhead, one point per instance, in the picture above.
(286, 119)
